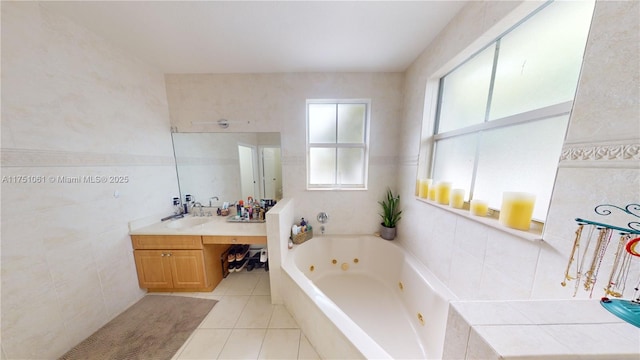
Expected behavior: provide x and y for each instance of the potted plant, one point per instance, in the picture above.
(390, 215)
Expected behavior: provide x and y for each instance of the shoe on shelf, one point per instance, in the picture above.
(240, 265)
(242, 252)
(232, 254)
(232, 267)
(254, 262)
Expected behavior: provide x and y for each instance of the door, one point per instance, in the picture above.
(271, 173)
(154, 271)
(248, 157)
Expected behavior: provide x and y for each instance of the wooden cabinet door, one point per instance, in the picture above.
(187, 268)
(154, 269)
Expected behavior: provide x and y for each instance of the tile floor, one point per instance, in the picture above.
(245, 325)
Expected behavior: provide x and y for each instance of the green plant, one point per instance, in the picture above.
(390, 210)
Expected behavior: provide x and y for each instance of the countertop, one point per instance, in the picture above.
(210, 226)
(538, 329)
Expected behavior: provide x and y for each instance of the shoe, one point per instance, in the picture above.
(232, 254)
(240, 265)
(242, 252)
(254, 262)
(232, 267)
(263, 255)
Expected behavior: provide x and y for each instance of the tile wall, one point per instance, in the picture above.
(600, 161)
(76, 112)
(276, 103)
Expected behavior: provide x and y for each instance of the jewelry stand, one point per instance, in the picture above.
(588, 261)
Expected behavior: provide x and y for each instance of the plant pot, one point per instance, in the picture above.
(387, 233)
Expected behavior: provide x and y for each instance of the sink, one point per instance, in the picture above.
(186, 222)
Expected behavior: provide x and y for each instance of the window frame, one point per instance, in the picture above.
(541, 113)
(337, 145)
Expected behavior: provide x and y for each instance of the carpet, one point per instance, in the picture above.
(153, 328)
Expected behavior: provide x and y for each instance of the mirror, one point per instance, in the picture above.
(231, 166)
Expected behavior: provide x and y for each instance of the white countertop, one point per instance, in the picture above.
(543, 329)
(211, 226)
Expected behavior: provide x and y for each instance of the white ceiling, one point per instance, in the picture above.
(266, 36)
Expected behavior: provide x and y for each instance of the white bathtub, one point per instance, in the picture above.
(365, 297)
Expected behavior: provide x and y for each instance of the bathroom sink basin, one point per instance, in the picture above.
(186, 222)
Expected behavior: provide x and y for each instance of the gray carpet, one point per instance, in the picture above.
(153, 328)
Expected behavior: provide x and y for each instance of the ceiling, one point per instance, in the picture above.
(266, 36)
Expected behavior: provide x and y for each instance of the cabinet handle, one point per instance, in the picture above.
(162, 254)
(234, 240)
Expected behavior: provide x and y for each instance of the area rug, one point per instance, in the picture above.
(153, 328)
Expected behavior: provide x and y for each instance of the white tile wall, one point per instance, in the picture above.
(73, 105)
(276, 102)
(477, 262)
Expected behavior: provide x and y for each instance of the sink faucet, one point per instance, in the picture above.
(199, 205)
(211, 198)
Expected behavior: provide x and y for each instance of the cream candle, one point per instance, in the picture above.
(478, 207)
(517, 209)
(425, 184)
(457, 198)
(443, 192)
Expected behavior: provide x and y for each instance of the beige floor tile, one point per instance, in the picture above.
(243, 344)
(307, 352)
(263, 287)
(242, 283)
(280, 344)
(205, 344)
(257, 313)
(282, 319)
(226, 312)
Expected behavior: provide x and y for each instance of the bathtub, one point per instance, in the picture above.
(365, 297)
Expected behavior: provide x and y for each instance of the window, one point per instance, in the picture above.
(337, 144)
(502, 115)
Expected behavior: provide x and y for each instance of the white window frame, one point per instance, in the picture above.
(336, 145)
(554, 110)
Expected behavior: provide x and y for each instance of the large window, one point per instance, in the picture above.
(337, 144)
(503, 114)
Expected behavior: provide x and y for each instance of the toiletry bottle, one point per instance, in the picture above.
(303, 223)
(187, 202)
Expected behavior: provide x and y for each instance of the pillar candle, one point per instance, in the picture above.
(425, 184)
(443, 192)
(418, 187)
(517, 209)
(457, 198)
(432, 193)
(479, 207)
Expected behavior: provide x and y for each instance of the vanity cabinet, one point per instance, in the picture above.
(228, 239)
(177, 262)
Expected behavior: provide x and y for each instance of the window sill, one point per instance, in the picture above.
(535, 234)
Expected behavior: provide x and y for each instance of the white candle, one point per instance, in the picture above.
(517, 209)
(457, 198)
(479, 207)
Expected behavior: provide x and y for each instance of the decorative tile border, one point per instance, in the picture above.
(51, 158)
(613, 154)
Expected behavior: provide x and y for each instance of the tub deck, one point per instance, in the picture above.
(365, 298)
